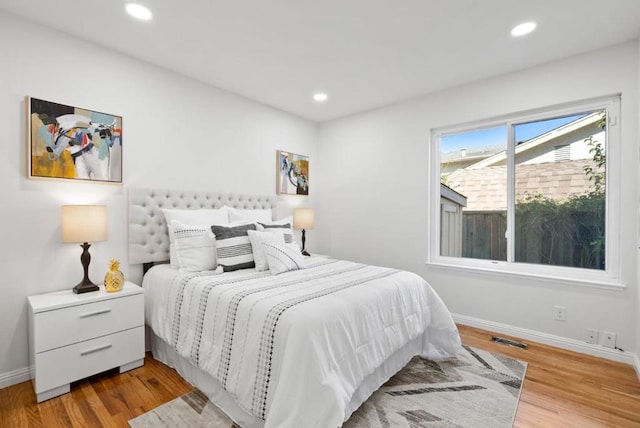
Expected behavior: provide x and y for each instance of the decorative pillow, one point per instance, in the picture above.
(193, 217)
(283, 257)
(233, 248)
(257, 238)
(193, 247)
(285, 224)
(250, 215)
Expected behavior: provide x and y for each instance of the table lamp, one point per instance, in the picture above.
(303, 218)
(83, 224)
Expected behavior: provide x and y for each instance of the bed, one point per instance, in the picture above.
(302, 348)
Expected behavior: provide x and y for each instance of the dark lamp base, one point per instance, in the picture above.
(304, 239)
(85, 287)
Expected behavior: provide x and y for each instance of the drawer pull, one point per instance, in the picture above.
(91, 314)
(99, 348)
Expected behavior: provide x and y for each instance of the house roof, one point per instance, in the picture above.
(465, 155)
(547, 137)
(486, 188)
(450, 194)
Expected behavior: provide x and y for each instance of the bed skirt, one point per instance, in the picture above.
(221, 398)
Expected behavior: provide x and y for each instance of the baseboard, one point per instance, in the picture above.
(15, 377)
(552, 340)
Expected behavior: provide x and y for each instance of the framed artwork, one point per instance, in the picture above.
(292, 174)
(73, 143)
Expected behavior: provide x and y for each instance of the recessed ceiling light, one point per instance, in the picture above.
(522, 29)
(320, 97)
(138, 11)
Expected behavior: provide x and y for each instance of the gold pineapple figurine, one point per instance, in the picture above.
(114, 279)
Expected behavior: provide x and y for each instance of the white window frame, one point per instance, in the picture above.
(608, 278)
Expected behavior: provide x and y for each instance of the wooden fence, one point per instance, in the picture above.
(483, 235)
(574, 241)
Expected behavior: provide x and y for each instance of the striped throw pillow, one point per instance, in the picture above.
(284, 224)
(283, 257)
(233, 248)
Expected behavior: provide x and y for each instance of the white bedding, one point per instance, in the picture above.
(292, 349)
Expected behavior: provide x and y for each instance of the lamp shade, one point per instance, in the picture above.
(84, 223)
(303, 218)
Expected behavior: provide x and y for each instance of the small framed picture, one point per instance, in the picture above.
(73, 143)
(292, 173)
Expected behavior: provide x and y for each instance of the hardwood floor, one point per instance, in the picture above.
(567, 389)
(561, 389)
(106, 400)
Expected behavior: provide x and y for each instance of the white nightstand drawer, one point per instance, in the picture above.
(70, 363)
(60, 327)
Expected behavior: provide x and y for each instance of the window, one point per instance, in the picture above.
(531, 194)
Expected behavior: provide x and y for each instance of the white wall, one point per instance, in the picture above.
(177, 133)
(373, 180)
(638, 243)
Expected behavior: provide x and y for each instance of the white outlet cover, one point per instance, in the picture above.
(560, 313)
(608, 339)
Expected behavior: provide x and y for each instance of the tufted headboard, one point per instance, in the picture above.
(148, 235)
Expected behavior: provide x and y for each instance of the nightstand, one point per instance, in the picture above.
(73, 336)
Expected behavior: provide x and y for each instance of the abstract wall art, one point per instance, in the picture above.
(73, 143)
(292, 174)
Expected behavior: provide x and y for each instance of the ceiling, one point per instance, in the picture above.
(363, 53)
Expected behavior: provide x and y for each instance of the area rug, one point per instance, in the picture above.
(476, 389)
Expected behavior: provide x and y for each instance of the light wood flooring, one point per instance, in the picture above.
(567, 389)
(561, 389)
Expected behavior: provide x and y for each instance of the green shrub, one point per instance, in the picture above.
(561, 232)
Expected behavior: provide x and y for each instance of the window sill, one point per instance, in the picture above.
(601, 283)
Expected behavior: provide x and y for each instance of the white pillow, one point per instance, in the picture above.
(193, 217)
(200, 216)
(254, 216)
(283, 257)
(274, 236)
(286, 224)
(194, 247)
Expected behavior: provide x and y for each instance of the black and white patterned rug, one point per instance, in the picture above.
(477, 389)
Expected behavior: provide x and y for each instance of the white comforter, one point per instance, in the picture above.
(292, 348)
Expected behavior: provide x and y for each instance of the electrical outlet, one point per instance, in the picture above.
(592, 336)
(560, 313)
(609, 339)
